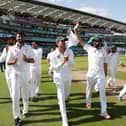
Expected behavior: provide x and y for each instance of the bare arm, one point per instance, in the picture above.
(82, 43)
(28, 60)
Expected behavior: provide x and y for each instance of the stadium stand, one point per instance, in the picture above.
(43, 22)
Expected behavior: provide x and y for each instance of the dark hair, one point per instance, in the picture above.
(36, 42)
(20, 33)
(9, 41)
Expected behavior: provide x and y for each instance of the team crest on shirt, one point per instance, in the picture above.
(58, 56)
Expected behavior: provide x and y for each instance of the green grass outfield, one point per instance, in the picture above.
(46, 112)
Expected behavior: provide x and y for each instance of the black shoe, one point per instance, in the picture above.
(38, 94)
(26, 115)
(67, 100)
(17, 122)
(34, 99)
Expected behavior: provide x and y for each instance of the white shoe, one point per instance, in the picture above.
(65, 124)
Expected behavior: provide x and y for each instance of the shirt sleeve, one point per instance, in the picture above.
(9, 55)
(3, 55)
(40, 52)
(87, 47)
(71, 58)
(30, 53)
(106, 58)
(118, 58)
(53, 63)
(47, 56)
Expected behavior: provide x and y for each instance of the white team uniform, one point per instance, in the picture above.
(96, 74)
(49, 58)
(72, 40)
(7, 70)
(62, 76)
(19, 77)
(113, 61)
(35, 72)
(105, 47)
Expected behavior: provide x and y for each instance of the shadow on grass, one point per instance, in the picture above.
(81, 115)
(82, 80)
(47, 113)
(43, 108)
(26, 122)
(76, 111)
(42, 81)
(5, 100)
(47, 98)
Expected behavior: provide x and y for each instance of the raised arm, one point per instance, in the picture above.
(82, 43)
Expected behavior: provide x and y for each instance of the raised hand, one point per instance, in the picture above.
(24, 57)
(66, 58)
(76, 26)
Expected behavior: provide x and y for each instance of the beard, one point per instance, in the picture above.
(20, 41)
(97, 45)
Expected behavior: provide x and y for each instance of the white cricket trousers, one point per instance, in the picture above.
(8, 82)
(37, 89)
(63, 91)
(19, 84)
(35, 78)
(112, 78)
(91, 81)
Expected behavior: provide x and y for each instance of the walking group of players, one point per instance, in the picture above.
(23, 66)
(23, 71)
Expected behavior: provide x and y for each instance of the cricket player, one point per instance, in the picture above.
(61, 63)
(10, 42)
(96, 73)
(35, 71)
(113, 61)
(18, 58)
